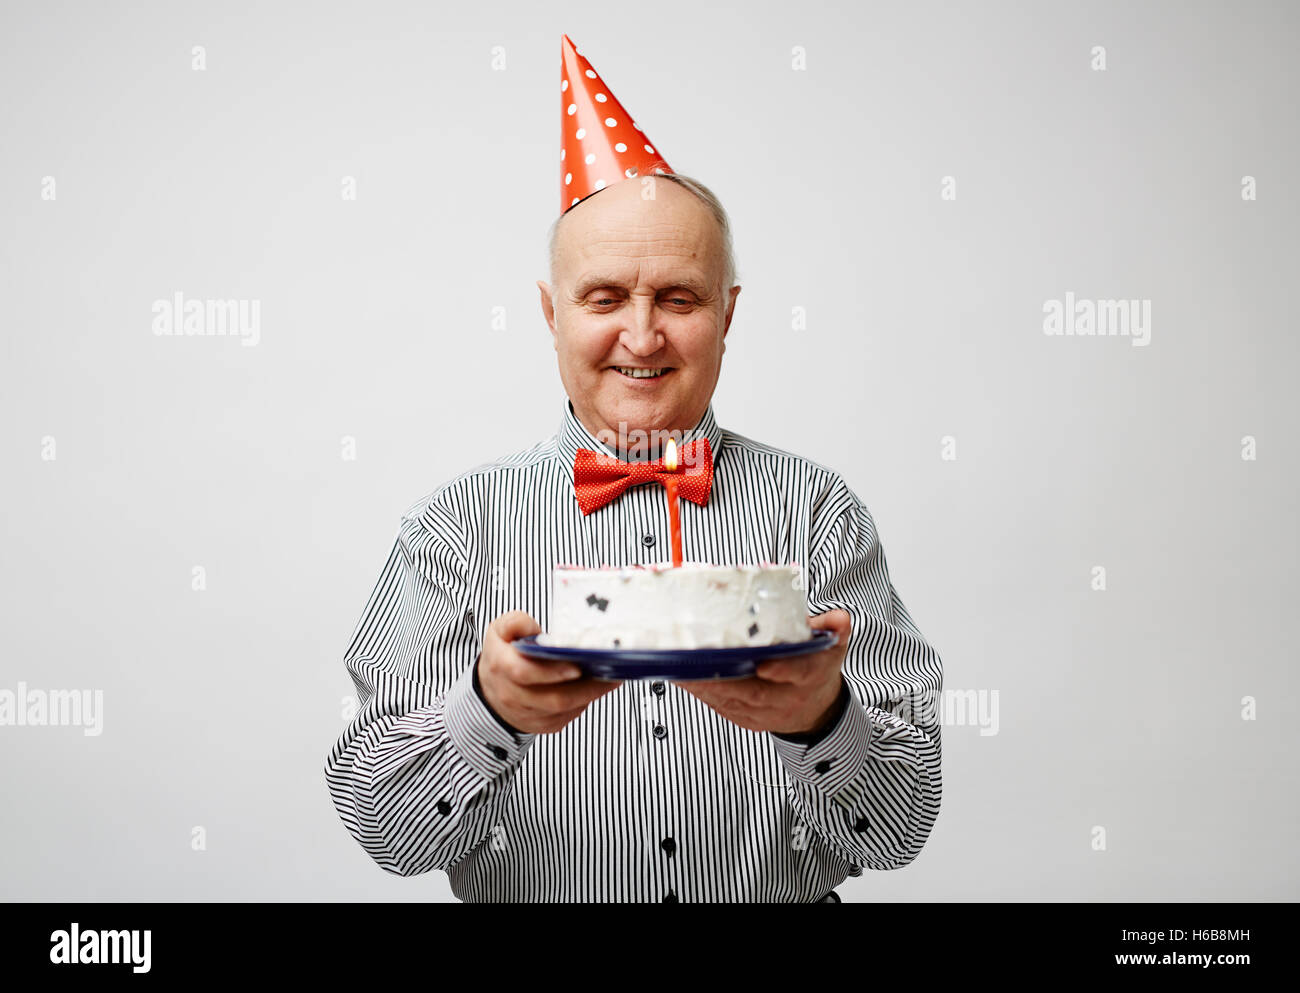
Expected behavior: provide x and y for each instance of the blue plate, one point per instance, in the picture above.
(678, 664)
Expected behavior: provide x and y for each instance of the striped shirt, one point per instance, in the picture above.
(649, 795)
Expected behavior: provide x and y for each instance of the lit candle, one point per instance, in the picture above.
(674, 514)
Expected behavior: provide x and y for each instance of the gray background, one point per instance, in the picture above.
(1119, 708)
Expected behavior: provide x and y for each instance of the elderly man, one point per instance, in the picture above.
(525, 780)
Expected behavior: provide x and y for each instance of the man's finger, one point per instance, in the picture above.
(524, 671)
(563, 697)
(793, 671)
(747, 692)
(558, 721)
(707, 690)
(544, 702)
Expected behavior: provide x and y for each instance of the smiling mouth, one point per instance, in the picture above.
(633, 372)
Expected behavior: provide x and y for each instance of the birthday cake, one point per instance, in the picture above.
(688, 606)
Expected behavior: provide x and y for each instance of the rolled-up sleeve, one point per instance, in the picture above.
(420, 775)
(870, 787)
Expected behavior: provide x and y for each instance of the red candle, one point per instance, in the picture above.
(674, 513)
(675, 520)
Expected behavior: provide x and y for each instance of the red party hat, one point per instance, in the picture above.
(600, 144)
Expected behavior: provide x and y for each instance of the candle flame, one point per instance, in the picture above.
(670, 456)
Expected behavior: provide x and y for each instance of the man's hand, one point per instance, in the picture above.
(537, 697)
(787, 696)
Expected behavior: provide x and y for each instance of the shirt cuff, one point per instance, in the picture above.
(483, 740)
(832, 763)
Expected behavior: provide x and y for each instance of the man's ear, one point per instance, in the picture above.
(731, 309)
(548, 306)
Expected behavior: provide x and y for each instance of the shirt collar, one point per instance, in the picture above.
(572, 435)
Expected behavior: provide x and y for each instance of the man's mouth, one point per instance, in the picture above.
(639, 372)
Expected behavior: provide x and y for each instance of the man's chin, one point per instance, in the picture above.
(637, 409)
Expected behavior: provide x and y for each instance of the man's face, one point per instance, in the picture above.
(638, 285)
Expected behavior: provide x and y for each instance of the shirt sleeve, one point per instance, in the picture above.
(870, 787)
(421, 774)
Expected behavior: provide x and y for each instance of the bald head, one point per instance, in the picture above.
(646, 188)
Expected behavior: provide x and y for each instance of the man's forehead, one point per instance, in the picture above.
(627, 247)
(674, 260)
(644, 254)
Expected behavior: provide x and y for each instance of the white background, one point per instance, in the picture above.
(1120, 709)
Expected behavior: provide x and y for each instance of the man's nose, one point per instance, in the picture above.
(641, 335)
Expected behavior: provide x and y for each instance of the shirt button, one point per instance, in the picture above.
(499, 752)
(861, 824)
(658, 688)
(444, 807)
(647, 540)
(671, 897)
(669, 846)
(661, 732)
(824, 766)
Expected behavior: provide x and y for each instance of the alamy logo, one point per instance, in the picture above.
(951, 708)
(61, 708)
(234, 318)
(1099, 318)
(77, 947)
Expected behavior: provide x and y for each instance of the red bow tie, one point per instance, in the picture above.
(598, 478)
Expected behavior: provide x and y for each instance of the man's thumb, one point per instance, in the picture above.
(837, 620)
(516, 624)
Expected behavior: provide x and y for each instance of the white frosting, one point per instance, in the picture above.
(690, 606)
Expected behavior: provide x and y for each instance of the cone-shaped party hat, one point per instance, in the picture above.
(600, 144)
